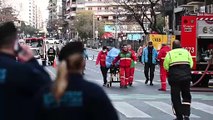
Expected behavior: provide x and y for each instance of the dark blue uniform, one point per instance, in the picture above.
(82, 100)
(19, 82)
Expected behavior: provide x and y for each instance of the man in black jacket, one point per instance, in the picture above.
(19, 81)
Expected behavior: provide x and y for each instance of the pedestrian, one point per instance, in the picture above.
(140, 52)
(86, 57)
(125, 58)
(74, 98)
(20, 76)
(51, 53)
(163, 73)
(132, 67)
(102, 60)
(149, 58)
(178, 62)
(57, 51)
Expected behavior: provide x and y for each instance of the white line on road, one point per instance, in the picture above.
(164, 107)
(143, 81)
(129, 111)
(203, 107)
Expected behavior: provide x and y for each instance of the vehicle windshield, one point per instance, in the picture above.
(35, 52)
(34, 42)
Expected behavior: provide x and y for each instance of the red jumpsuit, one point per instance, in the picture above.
(163, 73)
(132, 67)
(125, 63)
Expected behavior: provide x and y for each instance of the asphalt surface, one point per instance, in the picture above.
(144, 102)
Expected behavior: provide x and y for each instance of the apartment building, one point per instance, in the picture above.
(52, 7)
(27, 11)
(104, 10)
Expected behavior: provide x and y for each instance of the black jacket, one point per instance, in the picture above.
(179, 73)
(18, 84)
(81, 101)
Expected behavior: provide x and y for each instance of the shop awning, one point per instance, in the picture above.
(107, 35)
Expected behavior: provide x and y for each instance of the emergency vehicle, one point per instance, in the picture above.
(197, 38)
(39, 44)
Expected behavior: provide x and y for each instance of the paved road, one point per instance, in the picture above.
(143, 101)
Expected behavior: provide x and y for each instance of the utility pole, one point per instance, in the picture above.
(116, 29)
(93, 28)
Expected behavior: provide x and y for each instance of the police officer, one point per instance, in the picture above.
(178, 62)
(19, 80)
(51, 53)
(74, 98)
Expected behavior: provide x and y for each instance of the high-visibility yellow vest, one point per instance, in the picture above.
(176, 57)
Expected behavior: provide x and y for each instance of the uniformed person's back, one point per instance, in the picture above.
(74, 98)
(178, 62)
(19, 81)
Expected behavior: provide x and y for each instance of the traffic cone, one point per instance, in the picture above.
(54, 63)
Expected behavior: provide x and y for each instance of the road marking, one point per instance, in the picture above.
(143, 81)
(164, 107)
(203, 107)
(129, 111)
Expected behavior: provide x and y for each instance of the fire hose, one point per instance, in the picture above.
(206, 70)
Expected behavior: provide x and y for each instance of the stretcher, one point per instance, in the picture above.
(114, 76)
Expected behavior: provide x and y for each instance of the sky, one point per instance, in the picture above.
(43, 5)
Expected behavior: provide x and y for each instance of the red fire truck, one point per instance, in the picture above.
(197, 38)
(37, 43)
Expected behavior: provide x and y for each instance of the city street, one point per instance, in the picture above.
(144, 101)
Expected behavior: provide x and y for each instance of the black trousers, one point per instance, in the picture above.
(104, 74)
(178, 89)
(149, 68)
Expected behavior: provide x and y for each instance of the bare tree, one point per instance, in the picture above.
(142, 11)
(7, 14)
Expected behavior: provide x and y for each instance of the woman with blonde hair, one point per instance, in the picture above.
(71, 97)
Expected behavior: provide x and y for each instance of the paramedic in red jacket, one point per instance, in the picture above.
(125, 58)
(102, 60)
(132, 67)
(163, 73)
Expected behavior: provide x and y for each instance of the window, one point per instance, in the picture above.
(89, 8)
(106, 8)
(99, 8)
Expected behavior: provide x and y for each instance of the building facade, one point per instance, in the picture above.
(27, 10)
(107, 11)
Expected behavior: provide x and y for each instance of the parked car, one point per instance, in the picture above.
(52, 41)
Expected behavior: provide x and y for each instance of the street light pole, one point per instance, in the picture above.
(93, 28)
(116, 25)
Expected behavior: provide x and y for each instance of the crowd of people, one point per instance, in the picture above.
(28, 93)
(175, 64)
(126, 59)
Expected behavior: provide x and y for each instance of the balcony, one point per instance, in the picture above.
(195, 2)
(101, 4)
(73, 5)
